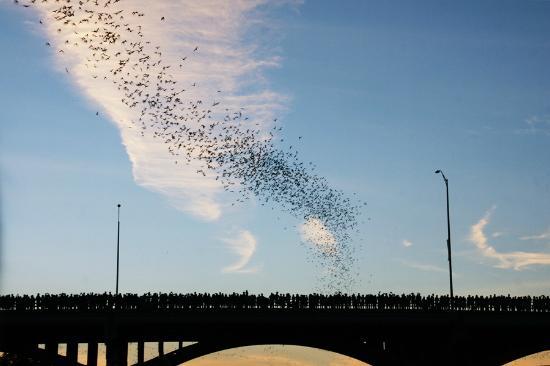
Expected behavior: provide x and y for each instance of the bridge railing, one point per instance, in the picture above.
(86, 302)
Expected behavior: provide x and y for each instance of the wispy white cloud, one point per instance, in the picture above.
(423, 266)
(510, 260)
(407, 243)
(497, 234)
(244, 245)
(225, 61)
(536, 125)
(542, 236)
(316, 233)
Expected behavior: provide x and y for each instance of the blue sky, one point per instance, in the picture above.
(383, 94)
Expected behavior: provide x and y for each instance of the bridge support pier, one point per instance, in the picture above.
(91, 357)
(140, 352)
(161, 348)
(117, 352)
(72, 352)
(51, 349)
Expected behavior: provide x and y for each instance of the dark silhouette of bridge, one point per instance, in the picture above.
(383, 329)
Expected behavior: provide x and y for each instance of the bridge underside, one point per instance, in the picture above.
(494, 351)
(377, 352)
(377, 339)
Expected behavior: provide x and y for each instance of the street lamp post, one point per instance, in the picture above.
(448, 235)
(117, 247)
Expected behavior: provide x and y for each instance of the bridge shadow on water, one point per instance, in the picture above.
(384, 329)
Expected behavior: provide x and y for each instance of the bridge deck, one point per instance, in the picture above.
(378, 336)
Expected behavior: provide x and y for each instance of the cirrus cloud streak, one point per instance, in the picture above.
(516, 260)
(244, 245)
(226, 68)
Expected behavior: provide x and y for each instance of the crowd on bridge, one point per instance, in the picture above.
(245, 301)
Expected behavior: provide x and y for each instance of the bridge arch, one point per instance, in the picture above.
(493, 352)
(540, 356)
(368, 355)
(520, 351)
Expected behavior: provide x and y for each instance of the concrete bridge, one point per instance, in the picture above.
(378, 337)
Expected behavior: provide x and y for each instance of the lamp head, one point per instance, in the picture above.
(118, 205)
(437, 171)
